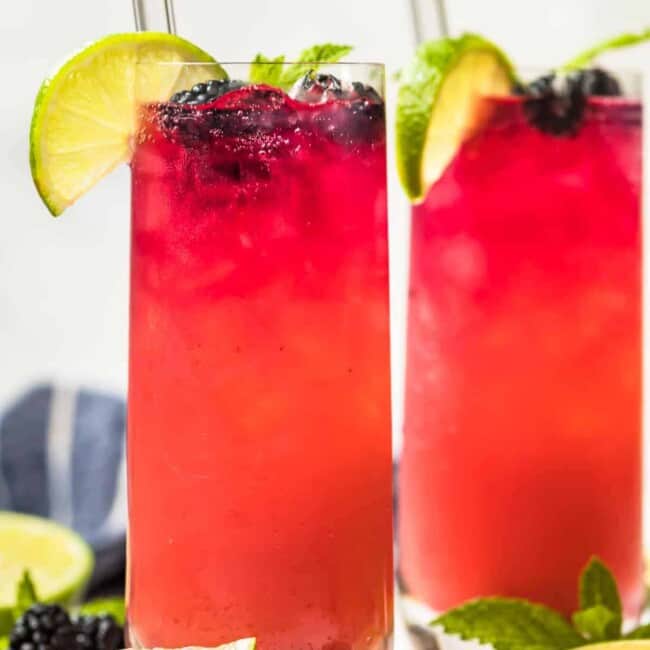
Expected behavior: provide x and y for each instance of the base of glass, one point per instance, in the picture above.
(132, 641)
(130, 638)
(417, 618)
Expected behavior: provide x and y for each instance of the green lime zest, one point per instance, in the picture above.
(275, 72)
(617, 42)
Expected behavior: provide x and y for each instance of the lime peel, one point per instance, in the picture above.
(84, 115)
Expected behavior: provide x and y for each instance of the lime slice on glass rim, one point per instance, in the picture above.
(58, 560)
(436, 105)
(85, 114)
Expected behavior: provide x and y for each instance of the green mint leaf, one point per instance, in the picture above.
(113, 606)
(309, 58)
(598, 587)
(641, 632)
(274, 72)
(510, 624)
(624, 40)
(266, 71)
(598, 623)
(25, 595)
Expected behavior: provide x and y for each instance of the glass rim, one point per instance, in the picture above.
(633, 71)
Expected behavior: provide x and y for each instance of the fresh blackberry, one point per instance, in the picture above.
(99, 633)
(518, 88)
(364, 91)
(596, 81)
(317, 88)
(44, 627)
(207, 91)
(540, 87)
(555, 104)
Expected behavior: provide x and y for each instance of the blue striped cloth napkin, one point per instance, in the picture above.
(62, 456)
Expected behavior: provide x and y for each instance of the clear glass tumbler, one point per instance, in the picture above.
(522, 442)
(259, 391)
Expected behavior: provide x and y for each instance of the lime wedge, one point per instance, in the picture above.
(437, 101)
(58, 560)
(84, 116)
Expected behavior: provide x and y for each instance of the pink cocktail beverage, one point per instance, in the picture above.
(259, 413)
(522, 453)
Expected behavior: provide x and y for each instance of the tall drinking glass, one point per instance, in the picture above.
(522, 450)
(259, 412)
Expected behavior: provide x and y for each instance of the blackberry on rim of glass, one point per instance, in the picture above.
(555, 103)
(352, 111)
(313, 88)
(206, 91)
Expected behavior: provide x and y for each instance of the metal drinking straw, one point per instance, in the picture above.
(421, 13)
(154, 15)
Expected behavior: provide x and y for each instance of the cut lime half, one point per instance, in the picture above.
(85, 114)
(436, 106)
(58, 560)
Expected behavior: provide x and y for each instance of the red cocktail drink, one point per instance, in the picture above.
(522, 453)
(259, 415)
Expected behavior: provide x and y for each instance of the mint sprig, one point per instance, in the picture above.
(25, 595)
(601, 614)
(598, 587)
(597, 623)
(275, 72)
(266, 71)
(624, 40)
(510, 624)
(517, 624)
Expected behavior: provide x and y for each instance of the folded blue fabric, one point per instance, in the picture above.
(62, 456)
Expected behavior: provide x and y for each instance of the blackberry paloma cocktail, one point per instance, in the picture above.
(522, 445)
(259, 417)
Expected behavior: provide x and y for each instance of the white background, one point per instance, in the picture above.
(63, 283)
